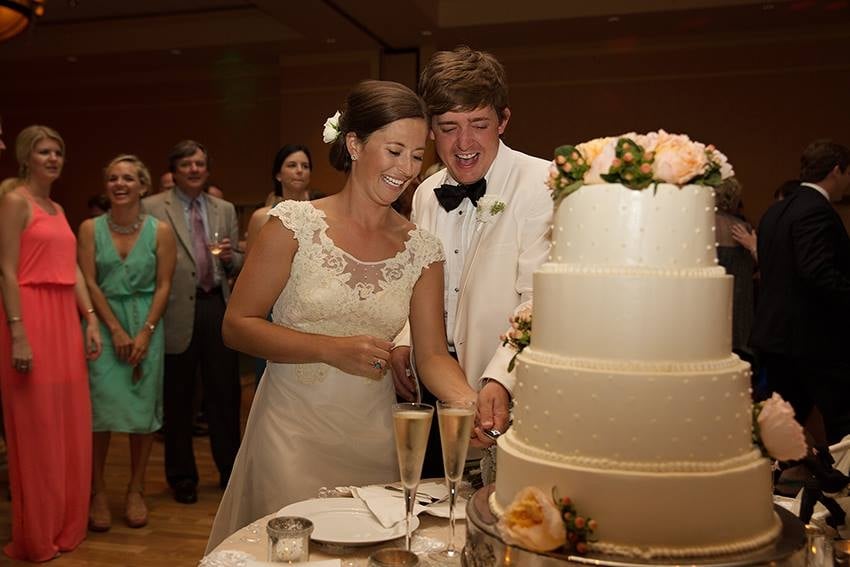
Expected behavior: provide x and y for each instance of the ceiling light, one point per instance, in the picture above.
(16, 16)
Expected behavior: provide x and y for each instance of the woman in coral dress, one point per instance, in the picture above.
(43, 375)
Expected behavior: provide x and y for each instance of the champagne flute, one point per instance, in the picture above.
(215, 244)
(412, 425)
(456, 419)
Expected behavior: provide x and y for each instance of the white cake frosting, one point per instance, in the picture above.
(629, 399)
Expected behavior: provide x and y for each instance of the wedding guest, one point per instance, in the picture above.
(97, 205)
(166, 182)
(291, 170)
(737, 261)
(488, 273)
(800, 329)
(746, 236)
(43, 375)
(214, 190)
(200, 290)
(128, 260)
(343, 274)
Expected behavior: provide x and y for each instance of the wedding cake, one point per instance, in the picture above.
(628, 399)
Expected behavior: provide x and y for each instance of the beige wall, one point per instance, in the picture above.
(758, 99)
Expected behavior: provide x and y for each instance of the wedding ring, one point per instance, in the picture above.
(378, 365)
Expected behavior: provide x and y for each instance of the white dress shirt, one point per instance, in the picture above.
(455, 230)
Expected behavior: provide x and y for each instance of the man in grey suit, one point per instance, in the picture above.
(205, 227)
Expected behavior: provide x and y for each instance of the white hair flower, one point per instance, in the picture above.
(331, 130)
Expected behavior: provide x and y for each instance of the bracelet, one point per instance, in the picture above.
(151, 326)
(11, 320)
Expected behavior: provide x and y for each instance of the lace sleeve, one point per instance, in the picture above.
(300, 217)
(426, 249)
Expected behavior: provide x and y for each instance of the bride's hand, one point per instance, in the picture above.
(361, 355)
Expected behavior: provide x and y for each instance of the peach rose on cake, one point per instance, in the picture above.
(604, 151)
(678, 159)
(533, 521)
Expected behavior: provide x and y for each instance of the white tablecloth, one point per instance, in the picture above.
(431, 534)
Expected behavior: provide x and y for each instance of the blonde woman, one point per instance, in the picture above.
(127, 259)
(43, 373)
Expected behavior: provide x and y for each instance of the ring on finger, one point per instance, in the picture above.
(378, 365)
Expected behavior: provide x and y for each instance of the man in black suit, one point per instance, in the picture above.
(802, 324)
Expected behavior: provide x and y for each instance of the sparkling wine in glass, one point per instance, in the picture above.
(412, 425)
(215, 244)
(456, 419)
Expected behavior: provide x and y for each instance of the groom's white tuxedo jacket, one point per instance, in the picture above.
(506, 248)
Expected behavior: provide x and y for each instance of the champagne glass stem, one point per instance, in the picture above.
(450, 550)
(409, 503)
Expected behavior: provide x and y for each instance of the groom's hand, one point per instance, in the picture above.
(402, 373)
(493, 410)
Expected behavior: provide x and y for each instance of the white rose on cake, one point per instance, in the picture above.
(781, 435)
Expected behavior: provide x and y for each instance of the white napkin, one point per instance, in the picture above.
(388, 505)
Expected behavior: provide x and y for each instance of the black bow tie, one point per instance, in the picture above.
(451, 196)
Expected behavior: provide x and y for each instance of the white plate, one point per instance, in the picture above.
(345, 521)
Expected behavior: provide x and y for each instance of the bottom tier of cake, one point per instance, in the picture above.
(650, 514)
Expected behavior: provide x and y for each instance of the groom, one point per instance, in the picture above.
(492, 211)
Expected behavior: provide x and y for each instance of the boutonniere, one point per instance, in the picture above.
(489, 207)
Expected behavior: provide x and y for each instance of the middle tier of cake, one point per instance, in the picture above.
(633, 416)
(633, 313)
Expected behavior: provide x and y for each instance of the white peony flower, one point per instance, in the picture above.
(720, 159)
(780, 433)
(590, 150)
(533, 521)
(331, 130)
(678, 159)
(605, 150)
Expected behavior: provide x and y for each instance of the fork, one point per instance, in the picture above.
(422, 498)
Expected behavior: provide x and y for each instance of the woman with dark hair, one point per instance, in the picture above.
(342, 275)
(291, 178)
(43, 373)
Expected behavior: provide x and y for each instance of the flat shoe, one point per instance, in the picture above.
(135, 511)
(100, 519)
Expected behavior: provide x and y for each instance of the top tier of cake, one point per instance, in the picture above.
(664, 227)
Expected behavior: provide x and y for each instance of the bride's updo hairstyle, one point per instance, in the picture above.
(368, 108)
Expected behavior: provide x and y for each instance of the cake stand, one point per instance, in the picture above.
(485, 548)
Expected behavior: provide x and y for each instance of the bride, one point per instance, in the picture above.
(341, 275)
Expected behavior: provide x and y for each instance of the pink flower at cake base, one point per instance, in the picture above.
(678, 159)
(780, 433)
(533, 521)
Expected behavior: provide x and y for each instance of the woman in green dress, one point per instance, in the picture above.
(128, 260)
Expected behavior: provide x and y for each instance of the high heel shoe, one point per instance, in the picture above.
(100, 518)
(135, 510)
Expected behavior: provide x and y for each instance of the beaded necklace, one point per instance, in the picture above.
(122, 229)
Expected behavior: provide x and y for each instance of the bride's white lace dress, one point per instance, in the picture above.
(312, 425)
